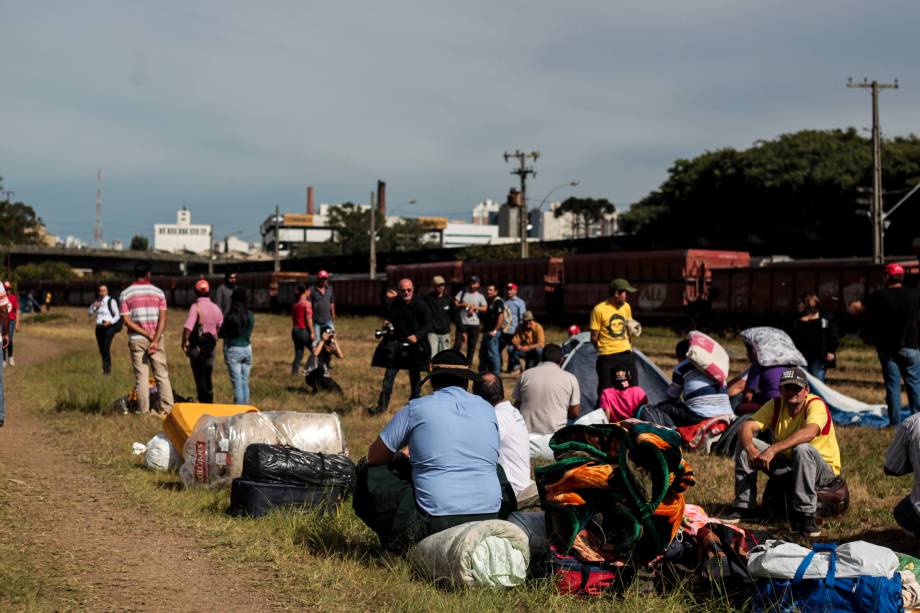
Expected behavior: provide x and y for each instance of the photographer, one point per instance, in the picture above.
(318, 376)
(404, 345)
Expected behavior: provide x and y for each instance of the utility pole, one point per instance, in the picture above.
(522, 171)
(210, 250)
(373, 233)
(277, 241)
(877, 212)
(97, 228)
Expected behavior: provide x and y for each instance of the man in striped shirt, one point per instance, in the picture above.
(143, 308)
(4, 331)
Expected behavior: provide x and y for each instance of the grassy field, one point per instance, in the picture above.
(334, 562)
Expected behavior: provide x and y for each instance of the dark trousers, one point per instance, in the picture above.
(384, 499)
(608, 365)
(301, 338)
(8, 351)
(472, 335)
(389, 378)
(202, 370)
(104, 336)
(670, 414)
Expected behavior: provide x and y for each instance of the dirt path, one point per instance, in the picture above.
(75, 528)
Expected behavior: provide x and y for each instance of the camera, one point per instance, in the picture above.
(386, 330)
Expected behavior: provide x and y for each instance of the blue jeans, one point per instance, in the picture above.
(239, 363)
(490, 357)
(816, 367)
(905, 363)
(531, 358)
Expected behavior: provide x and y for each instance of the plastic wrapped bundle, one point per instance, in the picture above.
(491, 553)
(214, 451)
(773, 347)
(278, 464)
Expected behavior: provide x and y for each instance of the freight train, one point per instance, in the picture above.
(694, 286)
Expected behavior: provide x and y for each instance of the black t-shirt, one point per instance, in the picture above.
(440, 312)
(815, 338)
(892, 318)
(490, 319)
(408, 318)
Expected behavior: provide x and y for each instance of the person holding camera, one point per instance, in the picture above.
(404, 343)
(325, 348)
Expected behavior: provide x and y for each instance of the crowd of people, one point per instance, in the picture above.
(409, 486)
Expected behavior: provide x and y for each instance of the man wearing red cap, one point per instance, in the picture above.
(199, 339)
(322, 299)
(891, 325)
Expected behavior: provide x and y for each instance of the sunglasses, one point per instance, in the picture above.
(405, 291)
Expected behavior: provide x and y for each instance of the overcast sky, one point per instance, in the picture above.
(231, 108)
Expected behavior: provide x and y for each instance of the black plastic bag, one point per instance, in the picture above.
(283, 464)
(252, 499)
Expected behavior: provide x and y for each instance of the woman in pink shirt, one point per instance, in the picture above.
(199, 339)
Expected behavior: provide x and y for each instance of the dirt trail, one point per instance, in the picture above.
(78, 531)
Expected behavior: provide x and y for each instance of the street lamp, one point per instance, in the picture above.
(550, 193)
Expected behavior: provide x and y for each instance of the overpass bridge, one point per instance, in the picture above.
(109, 260)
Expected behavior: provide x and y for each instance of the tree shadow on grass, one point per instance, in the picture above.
(893, 538)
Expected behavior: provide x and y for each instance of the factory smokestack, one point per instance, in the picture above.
(310, 209)
(382, 198)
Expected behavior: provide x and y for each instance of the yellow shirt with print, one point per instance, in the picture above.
(815, 412)
(610, 324)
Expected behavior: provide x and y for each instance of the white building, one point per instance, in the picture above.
(486, 213)
(547, 227)
(182, 235)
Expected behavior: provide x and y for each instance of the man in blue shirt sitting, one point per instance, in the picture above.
(450, 474)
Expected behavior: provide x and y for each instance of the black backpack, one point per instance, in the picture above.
(113, 311)
(199, 341)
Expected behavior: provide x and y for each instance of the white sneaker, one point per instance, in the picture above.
(12, 361)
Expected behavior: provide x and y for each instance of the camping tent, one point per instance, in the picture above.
(581, 356)
(580, 361)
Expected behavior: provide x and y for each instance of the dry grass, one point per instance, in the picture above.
(333, 562)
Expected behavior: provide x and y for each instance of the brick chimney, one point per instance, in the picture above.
(382, 198)
(310, 209)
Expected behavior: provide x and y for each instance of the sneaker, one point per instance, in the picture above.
(739, 514)
(808, 527)
(12, 361)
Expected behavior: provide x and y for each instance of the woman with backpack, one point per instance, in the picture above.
(237, 335)
(199, 339)
(815, 336)
(104, 310)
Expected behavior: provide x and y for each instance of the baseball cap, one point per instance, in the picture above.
(620, 285)
(512, 286)
(438, 280)
(322, 274)
(7, 285)
(574, 329)
(793, 376)
(474, 279)
(202, 286)
(528, 316)
(894, 270)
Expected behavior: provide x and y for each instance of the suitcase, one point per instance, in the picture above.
(255, 499)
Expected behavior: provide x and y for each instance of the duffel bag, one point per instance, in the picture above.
(573, 576)
(285, 464)
(829, 594)
(253, 499)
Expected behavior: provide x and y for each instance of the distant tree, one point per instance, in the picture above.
(139, 243)
(798, 192)
(351, 231)
(43, 271)
(587, 212)
(19, 225)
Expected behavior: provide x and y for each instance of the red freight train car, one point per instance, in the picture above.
(667, 280)
(359, 294)
(774, 289)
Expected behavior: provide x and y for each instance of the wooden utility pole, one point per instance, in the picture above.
(877, 213)
(522, 171)
(373, 234)
(277, 242)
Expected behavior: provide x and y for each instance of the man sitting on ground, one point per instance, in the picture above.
(527, 343)
(693, 395)
(547, 395)
(805, 444)
(902, 458)
(514, 441)
(451, 475)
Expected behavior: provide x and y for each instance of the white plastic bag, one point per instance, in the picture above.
(159, 453)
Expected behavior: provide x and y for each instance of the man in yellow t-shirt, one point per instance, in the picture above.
(805, 443)
(610, 335)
